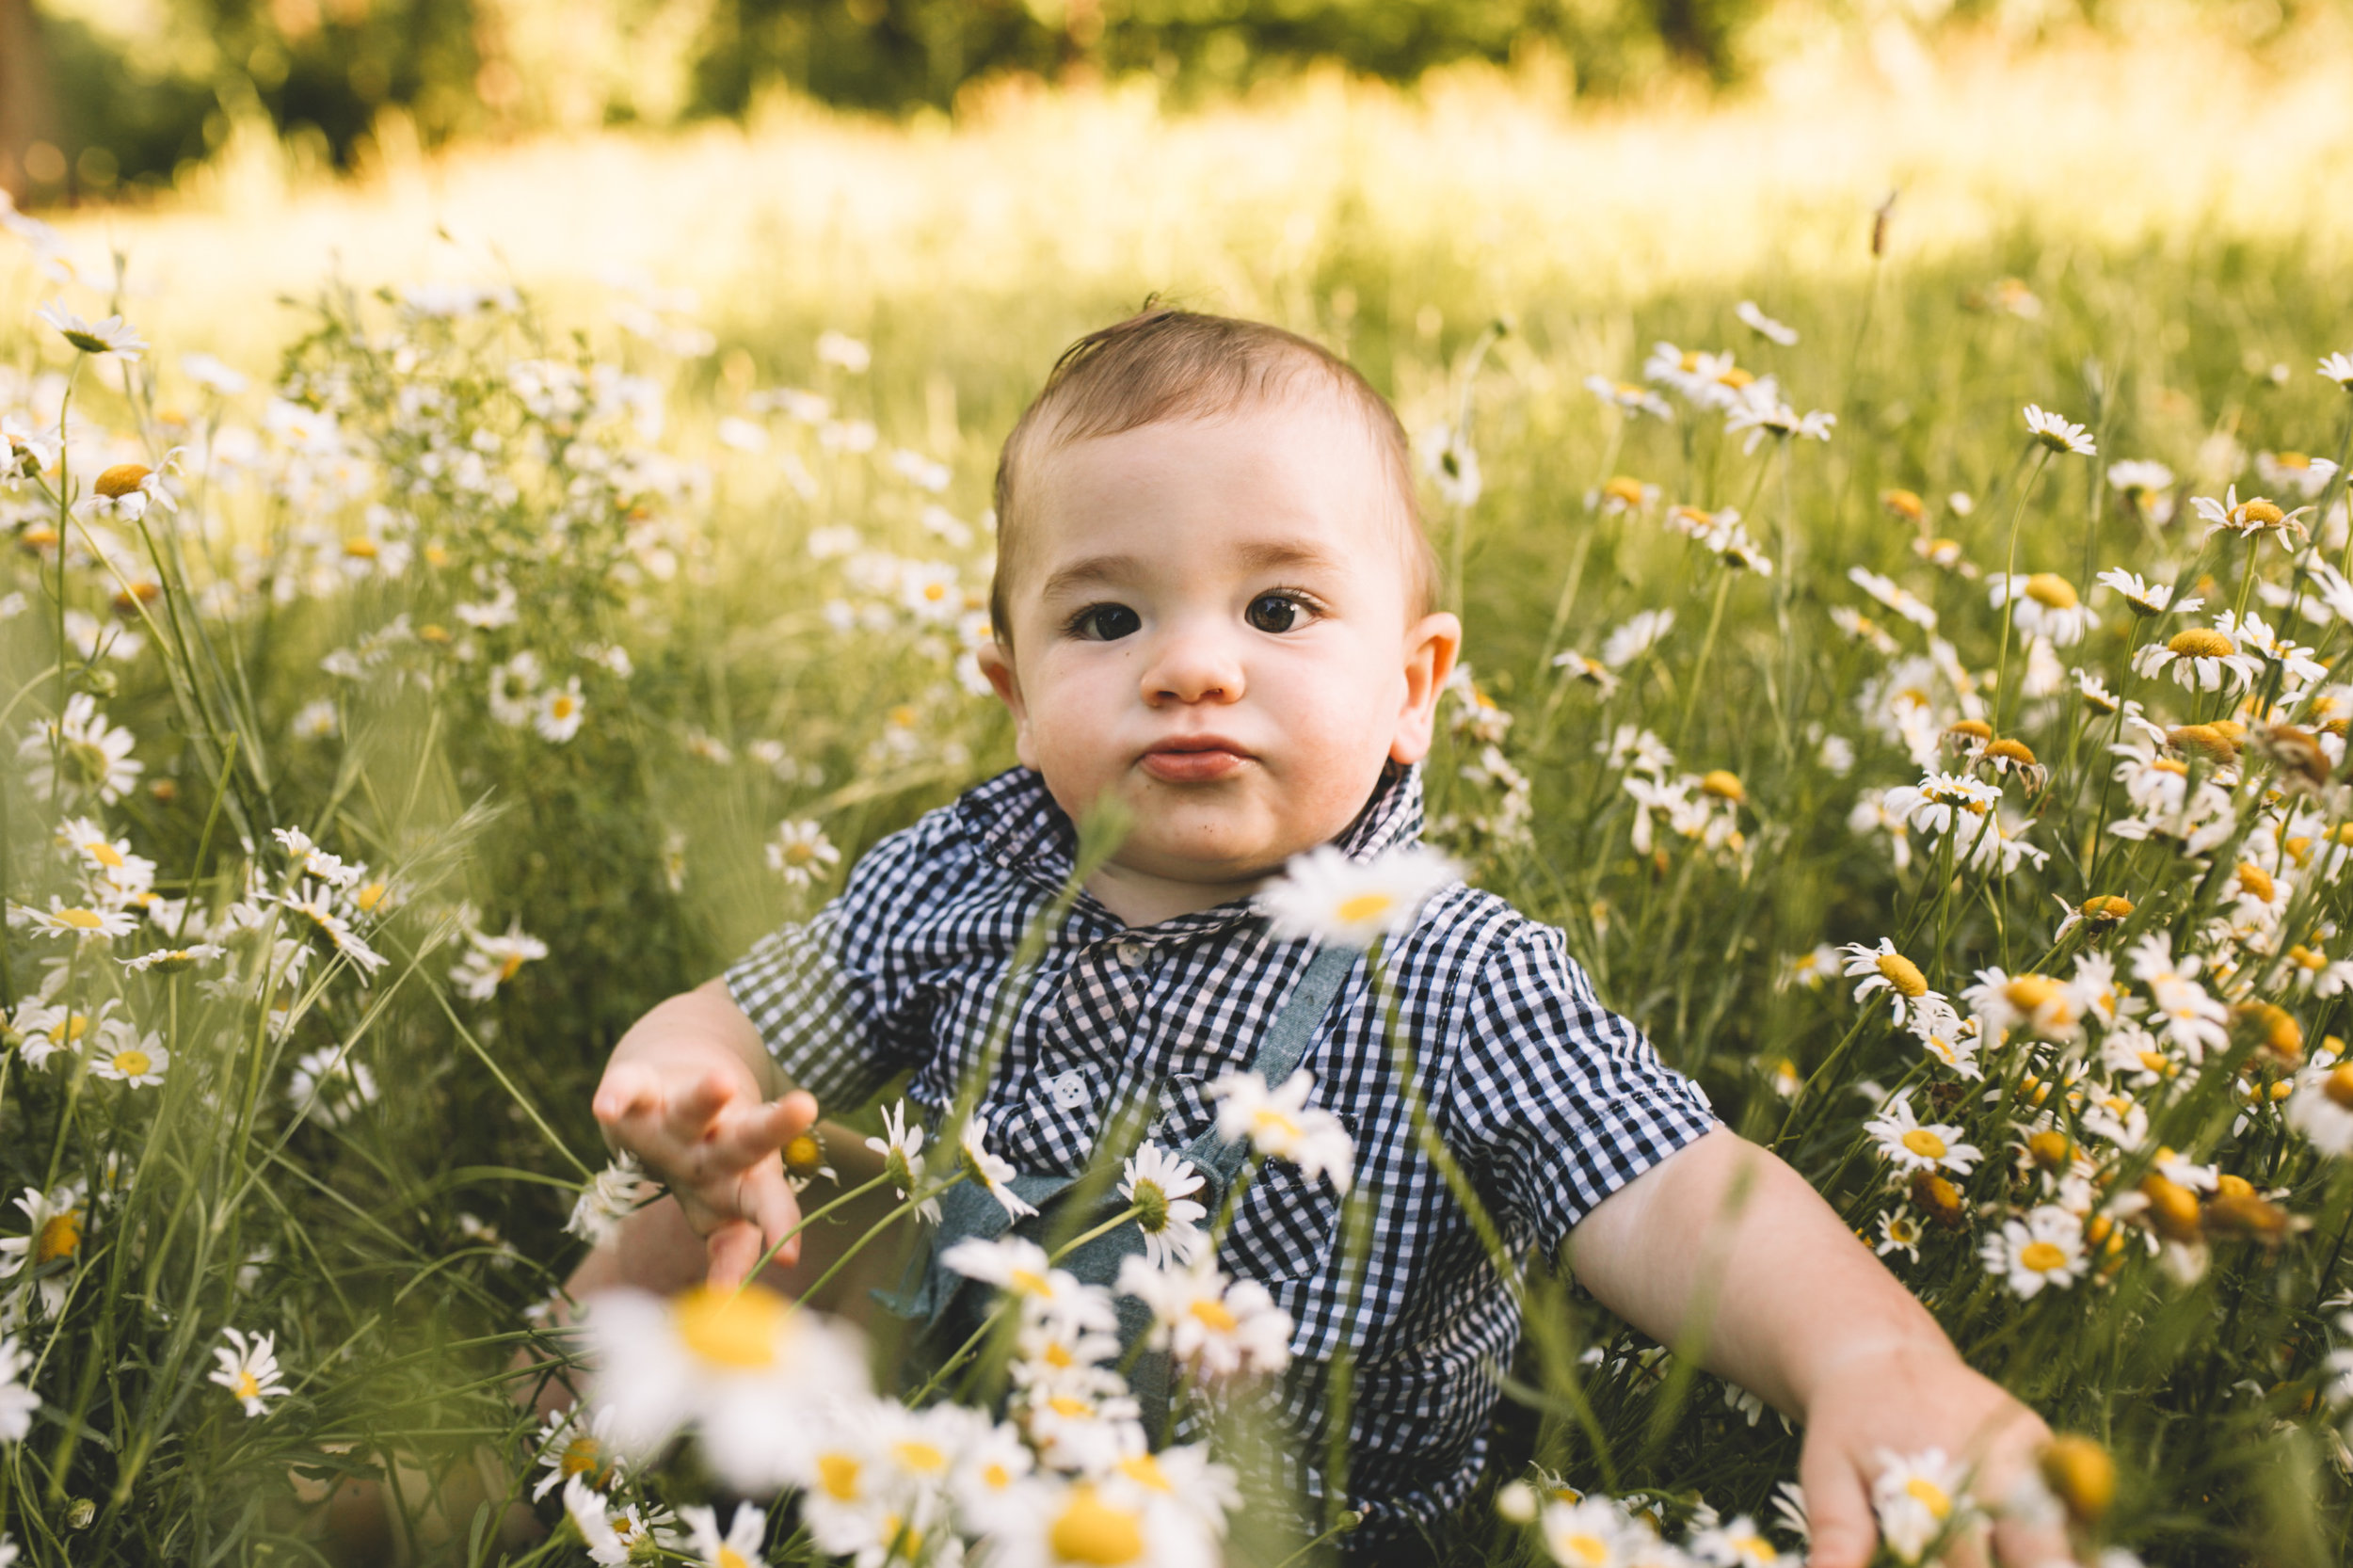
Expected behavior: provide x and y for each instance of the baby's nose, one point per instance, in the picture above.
(1193, 668)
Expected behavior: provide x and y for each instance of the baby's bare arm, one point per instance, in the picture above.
(692, 1092)
(1725, 1240)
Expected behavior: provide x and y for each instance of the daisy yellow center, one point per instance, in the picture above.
(104, 852)
(1906, 1230)
(1215, 1315)
(564, 705)
(1756, 1549)
(248, 1386)
(1365, 906)
(2107, 907)
(2261, 513)
(1028, 1284)
(1058, 1356)
(1624, 489)
(1064, 1405)
(2292, 460)
(1092, 1531)
(2050, 590)
(76, 1026)
(1903, 974)
(800, 853)
(836, 1476)
(81, 920)
(370, 896)
(508, 966)
(2030, 993)
(1734, 378)
(803, 1153)
(1925, 1143)
(996, 1476)
(2304, 957)
(61, 1237)
(1724, 785)
(1929, 1496)
(2042, 1257)
(582, 1456)
(1274, 1122)
(732, 1328)
(2338, 1086)
(1145, 1471)
(120, 480)
(2008, 750)
(934, 591)
(1904, 503)
(133, 1063)
(729, 1557)
(360, 547)
(2256, 880)
(916, 1454)
(2199, 643)
(1590, 1550)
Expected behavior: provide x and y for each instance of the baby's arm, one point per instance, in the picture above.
(1800, 1311)
(691, 1091)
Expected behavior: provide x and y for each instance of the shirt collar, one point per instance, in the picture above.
(1021, 828)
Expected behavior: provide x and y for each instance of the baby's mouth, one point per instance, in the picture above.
(1198, 760)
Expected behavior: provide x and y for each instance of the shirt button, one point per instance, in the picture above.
(1070, 1090)
(1134, 954)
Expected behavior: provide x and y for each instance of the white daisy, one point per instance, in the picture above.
(559, 712)
(742, 1367)
(1918, 1499)
(2146, 599)
(1219, 1326)
(618, 1190)
(250, 1370)
(1763, 325)
(738, 1548)
(989, 1170)
(134, 1065)
(112, 338)
(17, 1399)
(800, 853)
(1324, 896)
(1882, 968)
(2056, 432)
(1909, 1146)
(1281, 1126)
(2047, 1248)
(901, 1148)
(1160, 1186)
(2044, 605)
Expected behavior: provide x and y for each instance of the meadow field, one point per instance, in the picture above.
(1899, 522)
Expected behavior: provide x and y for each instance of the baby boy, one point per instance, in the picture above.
(1213, 604)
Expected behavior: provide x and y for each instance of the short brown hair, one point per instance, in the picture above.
(1164, 363)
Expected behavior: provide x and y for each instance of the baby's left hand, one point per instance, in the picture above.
(1906, 1397)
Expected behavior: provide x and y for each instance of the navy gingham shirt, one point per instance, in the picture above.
(1549, 1100)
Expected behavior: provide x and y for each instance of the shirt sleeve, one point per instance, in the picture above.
(1560, 1102)
(836, 1003)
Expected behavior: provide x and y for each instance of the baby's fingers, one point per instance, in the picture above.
(769, 1214)
(1838, 1508)
(628, 1090)
(744, 1136)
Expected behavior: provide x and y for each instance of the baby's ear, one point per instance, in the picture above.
(1431, 645)
(996, 662)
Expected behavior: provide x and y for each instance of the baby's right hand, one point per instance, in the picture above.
(698, 1121)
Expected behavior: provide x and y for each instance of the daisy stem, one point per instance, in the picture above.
(1348, 1519)
(859, 1245)
(1707, 647)
(1804, 1100)
(1233, 1199)
(2010, 592)
(810, 1219)
(1104, 1229)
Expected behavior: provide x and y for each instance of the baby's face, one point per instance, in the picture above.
(1210, 621)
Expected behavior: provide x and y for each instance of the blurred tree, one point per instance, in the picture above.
(132, 99)
(24, 93)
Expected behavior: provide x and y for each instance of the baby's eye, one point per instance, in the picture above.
(1105, 623)
(1275, 613)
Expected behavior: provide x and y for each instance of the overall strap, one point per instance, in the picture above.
(1285, 1043)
